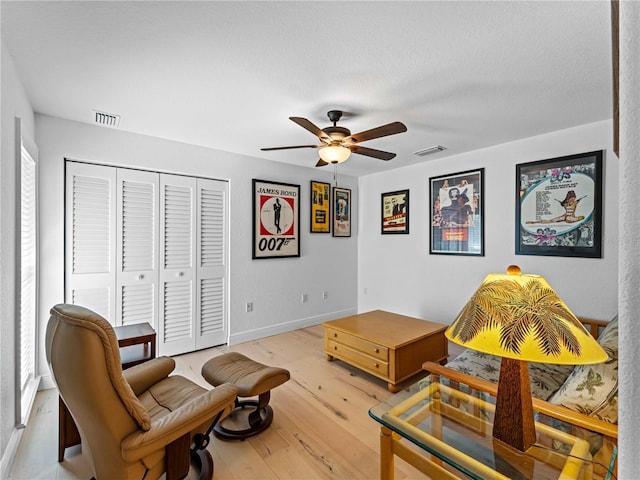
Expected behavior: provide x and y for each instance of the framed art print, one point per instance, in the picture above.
(457, 213)
(395, 212)
(320, 207)
(341, 212)
(559, 206)
(276, 219)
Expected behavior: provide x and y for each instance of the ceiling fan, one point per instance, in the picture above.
(338, 143)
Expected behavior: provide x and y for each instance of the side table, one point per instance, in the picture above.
(137, 344)
(451, 424)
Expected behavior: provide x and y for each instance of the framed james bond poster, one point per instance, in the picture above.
(276, 219)
(559, 206)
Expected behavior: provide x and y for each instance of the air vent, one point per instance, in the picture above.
(106, 119)
(430, 150)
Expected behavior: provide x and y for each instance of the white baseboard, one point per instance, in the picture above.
(250, 335)
(10, 452)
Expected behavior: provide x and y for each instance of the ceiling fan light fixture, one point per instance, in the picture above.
(334, 153)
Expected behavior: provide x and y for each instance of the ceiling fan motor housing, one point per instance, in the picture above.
(337, 133)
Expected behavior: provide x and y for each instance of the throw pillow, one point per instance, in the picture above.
(593, 389)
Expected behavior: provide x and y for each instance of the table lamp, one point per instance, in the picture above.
(521, 319)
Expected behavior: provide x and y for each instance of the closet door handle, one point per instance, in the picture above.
(140, 277)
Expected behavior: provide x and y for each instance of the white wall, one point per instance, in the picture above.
(397, 273)
(275, 286)
(14, 104)
(629, 276)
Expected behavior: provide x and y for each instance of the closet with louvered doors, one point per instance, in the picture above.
(149, 247)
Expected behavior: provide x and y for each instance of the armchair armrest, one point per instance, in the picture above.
(141, 377)
(179, 422)
(556, 411)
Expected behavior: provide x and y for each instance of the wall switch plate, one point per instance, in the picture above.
(305, 298)
(249, 307)
(325, 295)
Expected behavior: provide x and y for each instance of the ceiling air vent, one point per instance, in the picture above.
(106, 119)
(430, 150)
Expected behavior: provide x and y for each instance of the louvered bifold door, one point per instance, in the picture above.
(211, 327)
(90, 229)
(137, 247)
(177, 306)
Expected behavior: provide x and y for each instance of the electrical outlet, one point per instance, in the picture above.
(305, 298)
(325, 295)
(249, 307)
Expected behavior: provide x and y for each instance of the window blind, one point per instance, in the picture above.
(28, 252)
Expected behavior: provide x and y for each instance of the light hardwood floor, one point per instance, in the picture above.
(321, 427)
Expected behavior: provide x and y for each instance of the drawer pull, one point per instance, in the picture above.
(335, 335)
(376, 365)
(335, 347)
(377, 350)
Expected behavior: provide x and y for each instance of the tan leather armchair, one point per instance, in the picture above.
(135, 424)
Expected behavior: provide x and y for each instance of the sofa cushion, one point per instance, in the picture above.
(545, 378)
(593, 389)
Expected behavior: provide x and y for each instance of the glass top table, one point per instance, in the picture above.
(450, 423)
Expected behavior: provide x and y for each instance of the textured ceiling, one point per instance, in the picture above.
(227, 75)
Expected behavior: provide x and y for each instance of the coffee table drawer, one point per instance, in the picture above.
(364, 346)
(358, 359)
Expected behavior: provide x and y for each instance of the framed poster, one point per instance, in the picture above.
(320, 207)
(559, 206)
(395, 212)
(341, 212)
(276, 219)
(457, 213)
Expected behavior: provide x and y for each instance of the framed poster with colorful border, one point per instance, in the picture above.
(395, 212)
(559, 206)
(457, 213)
(276, 219)
(341, 212)
(320, 207)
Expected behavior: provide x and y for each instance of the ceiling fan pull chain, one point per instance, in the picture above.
(335, 174)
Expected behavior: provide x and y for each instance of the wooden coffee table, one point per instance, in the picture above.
(390, 346)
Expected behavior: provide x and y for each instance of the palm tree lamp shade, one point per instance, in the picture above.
(521, 319)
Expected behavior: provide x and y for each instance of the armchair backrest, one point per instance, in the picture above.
(83, 355)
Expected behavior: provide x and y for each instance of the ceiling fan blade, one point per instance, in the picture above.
(308, 125)
(289, 148)
(321, 163)
(382, 131)
(372, 152)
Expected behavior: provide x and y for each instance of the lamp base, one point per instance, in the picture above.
(513, 421)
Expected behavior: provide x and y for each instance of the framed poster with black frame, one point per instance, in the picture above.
(341, 212)
(320, 207)
(457, 213)
(559, 206)
(276, 219)
(395, 212)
